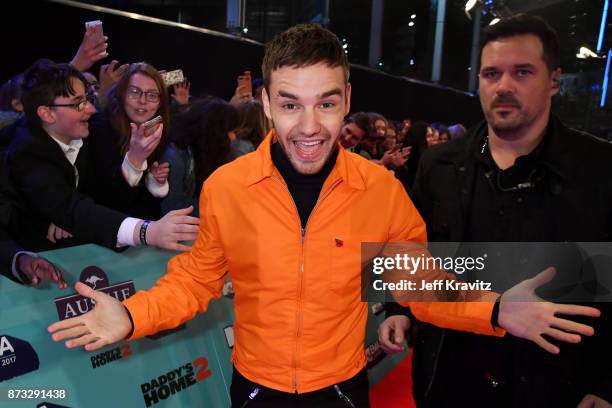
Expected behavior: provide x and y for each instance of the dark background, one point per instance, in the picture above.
(398, 88)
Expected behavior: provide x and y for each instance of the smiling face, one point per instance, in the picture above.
(431, 137)
(307, 106)
(351, 135)
(380, 127)
(140, 108)
(516, 85)
(66, 122)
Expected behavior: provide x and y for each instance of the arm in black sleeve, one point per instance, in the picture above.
(49, 195)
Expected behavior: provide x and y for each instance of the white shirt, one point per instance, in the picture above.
(71, 151)
(132, 176)
(125, 235)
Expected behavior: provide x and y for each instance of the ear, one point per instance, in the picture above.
(347, 101)
(556, 81)
(46, 115)
(265, 99)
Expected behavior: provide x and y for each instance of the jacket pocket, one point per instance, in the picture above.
(347, 264)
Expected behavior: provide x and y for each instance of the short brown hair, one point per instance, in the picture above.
(301, 46)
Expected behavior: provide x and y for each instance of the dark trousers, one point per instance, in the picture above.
(355, 390)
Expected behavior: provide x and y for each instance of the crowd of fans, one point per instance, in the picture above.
(124, 172)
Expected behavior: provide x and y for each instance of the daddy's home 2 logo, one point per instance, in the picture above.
(166, 385)
(110, 356)
(94, 277)
(17, 357)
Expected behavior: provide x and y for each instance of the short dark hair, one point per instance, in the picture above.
(301, 46)
(524, 24)
(362, 121)
(44, 81)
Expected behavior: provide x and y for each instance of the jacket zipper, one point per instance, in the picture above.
(343, 396)
(299, 298)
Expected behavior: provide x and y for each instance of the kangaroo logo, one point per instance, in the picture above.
(92, 280)
(94, 277)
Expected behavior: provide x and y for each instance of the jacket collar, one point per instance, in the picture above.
(344, 169)
(556, 153)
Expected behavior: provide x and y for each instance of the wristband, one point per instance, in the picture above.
(143, 232)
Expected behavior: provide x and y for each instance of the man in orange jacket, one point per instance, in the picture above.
(286, 222)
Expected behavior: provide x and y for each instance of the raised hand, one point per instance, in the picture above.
(523, 314)
(181, 92)
(90, 51)
(241, 94)
(591, 401)
(107, 323)
(109, 75)
(142, 145)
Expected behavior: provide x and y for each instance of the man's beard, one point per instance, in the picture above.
(518, 121)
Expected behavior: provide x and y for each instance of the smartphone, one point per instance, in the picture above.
(96, 28)
(173, 77)
(245, 82)
(151, 125)
(229, 335)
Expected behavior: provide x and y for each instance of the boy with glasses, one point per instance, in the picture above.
(53, 168)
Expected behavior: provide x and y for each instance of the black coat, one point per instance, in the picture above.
(45, 181)
(579, 193)
(11, 217)
(106, 142)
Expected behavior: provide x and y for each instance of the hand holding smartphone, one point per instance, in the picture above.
(173, 77)
(97, 34)
(245, 84)
(150, 126)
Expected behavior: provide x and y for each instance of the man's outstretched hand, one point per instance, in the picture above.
(523, 314)
(107, 323)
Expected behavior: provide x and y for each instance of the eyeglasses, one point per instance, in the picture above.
(79, 106)
(136, 93)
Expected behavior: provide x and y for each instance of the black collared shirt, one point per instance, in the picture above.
(511, 205)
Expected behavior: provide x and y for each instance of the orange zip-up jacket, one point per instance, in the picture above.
(300, 323)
